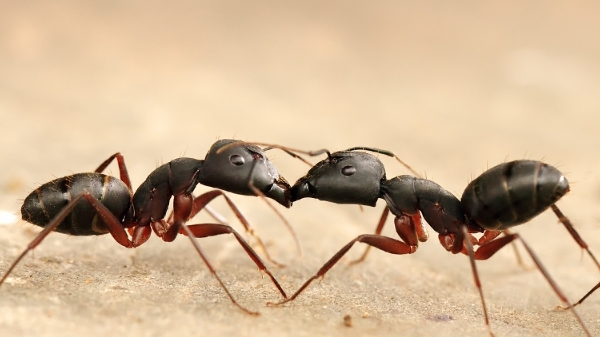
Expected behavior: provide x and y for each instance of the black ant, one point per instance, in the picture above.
(111, 207)
(507, 195)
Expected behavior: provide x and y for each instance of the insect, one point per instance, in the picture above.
(507, 195)
(96, 204)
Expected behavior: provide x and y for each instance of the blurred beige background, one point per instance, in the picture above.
(453, 88)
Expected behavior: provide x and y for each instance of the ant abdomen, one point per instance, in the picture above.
(43, 204)
(513, 193)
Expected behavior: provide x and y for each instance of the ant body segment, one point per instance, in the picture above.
(507, 195)
(96, 204)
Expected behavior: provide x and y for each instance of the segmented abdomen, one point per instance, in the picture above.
(43, 204)
(513, 193)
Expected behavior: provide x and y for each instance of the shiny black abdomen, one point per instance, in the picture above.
(45, 202)
(513, 193)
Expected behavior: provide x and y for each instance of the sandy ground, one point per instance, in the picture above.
(452, 88)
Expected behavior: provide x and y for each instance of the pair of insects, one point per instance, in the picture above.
(504, 196)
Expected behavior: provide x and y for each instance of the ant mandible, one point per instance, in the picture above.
(72, 204)
(507, 195)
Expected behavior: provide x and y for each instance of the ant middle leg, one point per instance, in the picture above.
(207, 230)
(200, 202)
(183, 205)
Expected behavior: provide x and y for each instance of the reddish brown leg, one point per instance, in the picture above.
(201, 201)
(206, 230)
(38, 239)
(469, 247)
(382, 220)
(200, 205)
(409, 228)
(186, 231)
(487, 250)
(584, 297)
(114, 226)
(122, 168)
(517, 254)
(216, 216)
(183, 205)
(142, 233)
(569, 226)
(384, 243)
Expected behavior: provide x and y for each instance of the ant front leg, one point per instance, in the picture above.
(207, 230)
(201, 202)
(378, 230)
(383, 243)
(410, 229)
(186, 231)
(183, 205)
(488, 249)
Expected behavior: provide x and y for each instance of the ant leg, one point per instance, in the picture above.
(201, 201)
(469, 247)
(214, 214)
(517, 254)
(384, 243)
(584, 297)
(569, 226)
(206, 230)
(42, 235)
(186, 231)
(114, 226)
(410, 228)
(218, 217)
(487, 250)
(122, 168)
(489, 235)
(378, 230)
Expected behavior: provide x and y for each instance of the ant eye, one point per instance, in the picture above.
(237, 160)
(348, 170)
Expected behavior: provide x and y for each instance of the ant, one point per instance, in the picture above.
(97, 204)
(507, 195)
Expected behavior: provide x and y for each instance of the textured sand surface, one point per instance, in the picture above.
(451, 88)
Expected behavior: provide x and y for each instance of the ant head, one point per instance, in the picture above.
(243, 169)
(345, 177)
